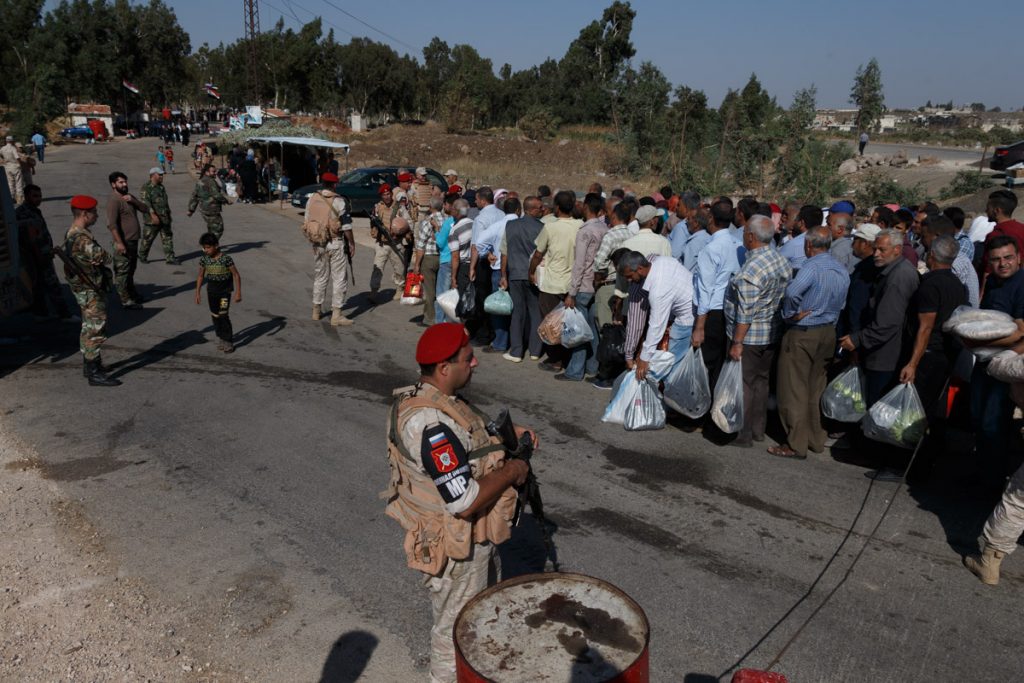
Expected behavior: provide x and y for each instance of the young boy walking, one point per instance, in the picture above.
(161, 158)
(221, 278)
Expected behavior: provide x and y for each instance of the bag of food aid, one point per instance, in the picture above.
(687, 389)
(448, 300)
(499, 303)
(550, 328)
(898, 418)
(575, 329)
(413, 293)
(843, 399)
(646, 410)
(727, 409)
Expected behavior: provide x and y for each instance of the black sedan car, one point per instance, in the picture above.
(359, 187)
(1007, 156)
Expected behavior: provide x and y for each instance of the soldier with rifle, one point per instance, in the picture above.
(453, 483)
(393, 223)
(328, 227)
(86, 271)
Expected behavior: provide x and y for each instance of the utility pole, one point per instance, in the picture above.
(252, 31)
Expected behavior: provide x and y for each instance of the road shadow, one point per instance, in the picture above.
(60, 198)
(158, 352)
(248, 335)
(153, 292)
(358, 305)
(245, 246)
(25, 342)
(348, 657)
(524, 552)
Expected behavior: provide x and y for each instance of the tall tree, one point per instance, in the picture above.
(867, 95)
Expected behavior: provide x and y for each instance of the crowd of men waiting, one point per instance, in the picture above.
(796, 292)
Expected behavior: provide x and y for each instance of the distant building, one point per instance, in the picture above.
(81, 114)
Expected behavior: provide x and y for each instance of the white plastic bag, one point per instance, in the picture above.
(448, 301)
(660, 365)
(623, 390)
(966, 314)
(1007, 366)
(843, 399)
(687, 390)
(898, 418)
(231, 190)
(646, 410)
(575, 330)
(727, 409)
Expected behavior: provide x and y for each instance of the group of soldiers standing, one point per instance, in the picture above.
(90, 270)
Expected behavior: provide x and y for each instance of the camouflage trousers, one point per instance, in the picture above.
(94, 322)
(214, 224)
(149, 233)
(124, 272)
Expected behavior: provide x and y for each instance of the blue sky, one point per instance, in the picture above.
(938, 50)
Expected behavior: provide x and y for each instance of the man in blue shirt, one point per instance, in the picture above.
(686, 209)
(811, 305)
(809, 217)
(991, 407)
(39, 142)
(698, 238)
(716, 265)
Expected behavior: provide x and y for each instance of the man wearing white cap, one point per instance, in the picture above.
(420, 194)
(12, 158)
(451, 177)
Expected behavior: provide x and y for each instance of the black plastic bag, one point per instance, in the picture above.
(612, 347)
(467, 308)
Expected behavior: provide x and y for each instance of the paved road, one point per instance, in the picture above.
(257, 473)
(941, 153)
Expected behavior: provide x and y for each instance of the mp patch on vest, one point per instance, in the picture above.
(445, 461)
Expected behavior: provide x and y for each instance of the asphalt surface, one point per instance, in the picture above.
(259, 472)
(957, 154)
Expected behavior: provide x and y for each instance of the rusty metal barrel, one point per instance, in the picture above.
(552, 627)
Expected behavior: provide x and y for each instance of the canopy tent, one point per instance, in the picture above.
(302, 142)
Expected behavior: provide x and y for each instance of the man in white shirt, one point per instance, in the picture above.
(669, 290)
(646, 241)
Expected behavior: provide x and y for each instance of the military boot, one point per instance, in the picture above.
(97, 377)
(986, 565)
(339, 320)
(317, 312)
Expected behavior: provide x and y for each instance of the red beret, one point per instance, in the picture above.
(83, 202)
(405, 177)
(441, 342)
(775, 208)
(383, 188)
(328, 178)
(454, 189)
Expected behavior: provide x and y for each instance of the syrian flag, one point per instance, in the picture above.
(128, 86)
(212, 91)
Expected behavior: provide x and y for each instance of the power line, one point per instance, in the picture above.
(371, 26)
(290, 3)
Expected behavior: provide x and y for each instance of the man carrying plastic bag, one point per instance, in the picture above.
(668, 287)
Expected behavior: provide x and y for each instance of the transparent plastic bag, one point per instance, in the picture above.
(660, 365)
(498, 303)
(727, 408)
(843, 399)
(687, 389)
(623, 390)
(646, 410)
(448, 300)
(550, 329)
(575, 329)
(979, 325)
(898, 418)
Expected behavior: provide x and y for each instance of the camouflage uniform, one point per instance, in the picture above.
(40, 256)
(155, 197)
(382, 252)
(208, 196)
(82, 248)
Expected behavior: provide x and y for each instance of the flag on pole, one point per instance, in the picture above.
(212, 91)
(128, 86)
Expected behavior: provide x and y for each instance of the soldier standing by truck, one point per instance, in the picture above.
(209, 198)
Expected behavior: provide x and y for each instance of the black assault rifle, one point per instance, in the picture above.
(73, 268)
(522, 449)
(377, 224)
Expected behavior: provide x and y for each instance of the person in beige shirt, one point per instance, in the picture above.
(12, 160)
(556, 245)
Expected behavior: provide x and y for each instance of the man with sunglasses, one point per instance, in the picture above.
(453, 486)
(89, 279)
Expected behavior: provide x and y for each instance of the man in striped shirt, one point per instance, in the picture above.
(811, 305)
(753, 324)
(459, 244)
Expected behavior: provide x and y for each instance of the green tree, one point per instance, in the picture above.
(642, 97)
(867, 95)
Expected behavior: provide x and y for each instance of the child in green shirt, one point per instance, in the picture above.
(218, 269)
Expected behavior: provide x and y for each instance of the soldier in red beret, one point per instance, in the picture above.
(397, 220)
(328, 227)
(89, 278)
(452, 484)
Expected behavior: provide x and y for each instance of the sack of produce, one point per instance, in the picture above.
(898, 418)
(727, 409)
(843, 399)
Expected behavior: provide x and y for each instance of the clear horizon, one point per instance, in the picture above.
(926, 50)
